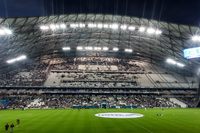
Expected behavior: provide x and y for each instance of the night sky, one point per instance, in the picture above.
(178, 11)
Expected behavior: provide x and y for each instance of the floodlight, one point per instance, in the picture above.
(52, 26)
(115, 49)
(73, 25)
(158, 32)
(63, 26)
(81, 25)
(79, 48)
(44, 27)
(171, 61)
(142, 29)
(180, 64)
(2, 32)
(22, 57)
(105, 26)
(131, 28)
(7, 31)
(92, 25)
(10, 61)
(114, 26)
(196, 38)
(19, 58)
(66, 48)
(151, 30)
(128, 50)
(89, 48)
(57, 26)
(97, 48)
(123, 27)
(105, 48)
(100, 26)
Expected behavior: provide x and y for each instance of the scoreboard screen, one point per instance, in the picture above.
(192, 53)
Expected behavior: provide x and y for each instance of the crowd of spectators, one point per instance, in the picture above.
(104, 72)
(69, 101)
(96, 84)
(97, 60)
(66, 73)
(72, 63)
(36, 73)
(57, 90)
(29, 75)
(74, 77)
(98, 76)
(83, 79)
(130, 66)
(63, 64)
(190, 101)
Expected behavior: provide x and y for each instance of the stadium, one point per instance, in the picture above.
(98, 73)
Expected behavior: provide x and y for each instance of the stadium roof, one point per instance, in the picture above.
(29, 39)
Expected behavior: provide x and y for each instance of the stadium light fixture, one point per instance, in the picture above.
(105, 26)
(115, 49)
(10, 61)
(158, 32)
(89, 48)
(123, 27)
(128, 50)
(8, 31)
(92, 25)
(79, 48)
(5, 31)
(131, 28)
(19, 58)
(97, 48)
(142, 29)
(105, 48)
(73, 25)
(2, 32)
(196, 38)
(81, 25)
(63, 26)
(66, 48)
(180, 64)
(100, 25)
(114, 26)
(22, 57)
(173, 62)
(151, 30)
(57, 26)
(52, 26)
(44, 27)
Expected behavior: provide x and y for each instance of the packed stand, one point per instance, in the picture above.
(69, 101)
(190, 101)
(30, 75)
(124, 65)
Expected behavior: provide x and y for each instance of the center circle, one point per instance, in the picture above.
(119, 115)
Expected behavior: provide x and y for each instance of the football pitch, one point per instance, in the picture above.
(85, 121)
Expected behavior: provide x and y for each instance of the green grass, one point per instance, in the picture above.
(84, 121)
